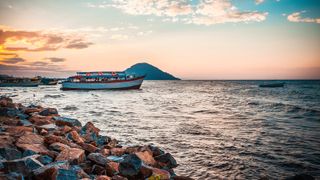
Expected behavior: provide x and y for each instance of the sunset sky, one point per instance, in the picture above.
(191, 39)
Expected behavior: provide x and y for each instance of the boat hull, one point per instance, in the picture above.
(116, 85)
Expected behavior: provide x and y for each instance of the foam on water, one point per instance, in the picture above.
(215, 129)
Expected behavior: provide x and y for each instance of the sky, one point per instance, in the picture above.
(191, 39)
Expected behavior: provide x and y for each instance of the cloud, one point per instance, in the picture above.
(55, 59)
(14, 60)
(204, 12)
(119, 37)
(22, 40)
(259, 1)
(296, 17)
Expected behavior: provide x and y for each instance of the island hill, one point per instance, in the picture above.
(152, 72)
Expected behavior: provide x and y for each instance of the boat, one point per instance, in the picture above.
(9, 81)
(102, 81)
(49, 81)
(272, 85)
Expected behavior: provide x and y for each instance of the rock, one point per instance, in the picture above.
(160, 174)
(9, 153)
(33, 142)
(117, 151)
(113, 143)
(86, 166)
(53, 171)
(57, 146)
(49, 127)
(45, 159)
(74, 136)
(117, 177)
(130, 166)
(115, 158)
(28, 153)
(63, 121)
(24, 123)
(181, 178)
(166, 160)
(98, 159)
(73, 155)
(48, 112)
(155, 150)
(18, 130)
(6, 141)
(66, 129)
(8, 120)
(103, 178)
(89, 128)
(79, 171)
(43, 132)
(53, 138)
(88, 147)
(11, 176)
(114, 166)
(98, 170)
(24, 165)
(40, 120)
(102, 140)
(105, 152)
(5, 101)
(31, 110)
(145, 172)
(300, 177)
(147, 158)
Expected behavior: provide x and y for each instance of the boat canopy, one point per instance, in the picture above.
(100, 74)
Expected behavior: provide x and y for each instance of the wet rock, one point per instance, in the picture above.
(45, 159)
(24, 123)
(98, 170)
(12, 176)
(301, 177)
(130, 166)
(40, 120)
(18, 130)
(48, 112)
(115, 158)
(24, 165)
(88, 147)
(28, 153)
(147, 158)
(6, 141)
(9, 153)
(54, 171)
(74, 136)
(73, 155)
(98, 159)
(117, 151)
(57, 146)
(166, 160)
(102, 140)
(159, 174)
(103, 178)
(79, 171)
(63, 121)
(155, 150)
(33, 142)
(89, 128)
(49, 127)
(31, 110)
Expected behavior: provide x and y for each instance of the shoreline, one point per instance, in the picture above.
(37, 143)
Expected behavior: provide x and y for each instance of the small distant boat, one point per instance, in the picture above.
(102, 81)
(272, 85)
(10, 81)
(49, 81)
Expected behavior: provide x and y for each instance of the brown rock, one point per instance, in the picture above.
(103, 178)
(40, 120)
(18, 130)
(53, 170)
(31, 110)
(76, 137)
(89, 128)
(8, 121)
(49, 112)
(114, 166)
(33, 142)
(160, 174)
(6, 141)
(86, 166)
(73, 155)
(105, 152)
(5, 101)
(146, 157)
(53, 138)
(118, 177)
(117, 151)
(43, 132)
(66, 129)
(98, 170)
(57, 146)
(98, 158)
(113, 143)
(145, 172)
(88, 147)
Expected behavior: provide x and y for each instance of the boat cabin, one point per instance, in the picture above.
(100, 76)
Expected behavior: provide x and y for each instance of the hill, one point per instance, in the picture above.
(152, 72)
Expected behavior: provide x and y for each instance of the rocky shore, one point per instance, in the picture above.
(37, 143)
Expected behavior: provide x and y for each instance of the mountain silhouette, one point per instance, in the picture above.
(152, 72)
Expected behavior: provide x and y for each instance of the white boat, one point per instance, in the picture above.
(102, 81)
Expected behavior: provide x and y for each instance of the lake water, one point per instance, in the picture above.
(214, 129)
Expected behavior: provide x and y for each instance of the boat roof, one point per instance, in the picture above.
(101, 72)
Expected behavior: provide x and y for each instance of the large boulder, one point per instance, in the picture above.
(18, 130)
(49, 112)
(6, 141)
(45, 159)
(73, 155)
(160, 174)
(63, 121)
(98, 158)
(40, 120)
(79, 171)
(166, 160)
(130, 166)
(146, 157)
(57, 146)
(9, 153)
(88, 147)
(117, 151)
(33, 142)
(74, 136)
(24, 165)
(55, 171)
